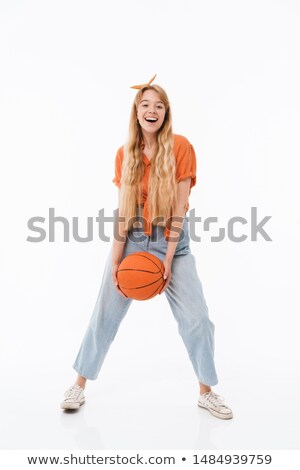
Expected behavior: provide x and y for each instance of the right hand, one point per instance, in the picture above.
(115, 280)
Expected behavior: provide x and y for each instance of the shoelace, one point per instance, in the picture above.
(215, 399)
(73, 392)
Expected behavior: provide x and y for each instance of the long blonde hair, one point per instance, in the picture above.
(162, 189)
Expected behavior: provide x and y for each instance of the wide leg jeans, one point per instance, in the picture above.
(185, 297)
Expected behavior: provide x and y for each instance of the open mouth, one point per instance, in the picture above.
(151, 119)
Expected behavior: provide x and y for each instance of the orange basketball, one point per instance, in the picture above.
(140, 275)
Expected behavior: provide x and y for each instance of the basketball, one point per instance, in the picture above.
(140, 275)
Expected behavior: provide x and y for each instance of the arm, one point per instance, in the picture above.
(118, 246)
(183, 188)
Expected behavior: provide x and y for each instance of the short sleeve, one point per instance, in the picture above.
(118, 167)
(186, 165)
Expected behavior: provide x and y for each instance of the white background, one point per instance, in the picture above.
(232, 73)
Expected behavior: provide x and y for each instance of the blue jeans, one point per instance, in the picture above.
(184, 295)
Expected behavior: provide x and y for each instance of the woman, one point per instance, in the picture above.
(154, 172)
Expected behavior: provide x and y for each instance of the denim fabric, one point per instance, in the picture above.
(184, 294)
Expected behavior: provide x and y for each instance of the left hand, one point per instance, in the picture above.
(167, 274)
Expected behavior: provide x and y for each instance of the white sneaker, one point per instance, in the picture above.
(74, 398)
(214, 403)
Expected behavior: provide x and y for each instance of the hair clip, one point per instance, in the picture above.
(138, 87)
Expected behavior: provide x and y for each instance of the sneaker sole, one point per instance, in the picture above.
(215, 413)
(71, 406)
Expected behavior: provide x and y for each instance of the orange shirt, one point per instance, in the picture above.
(185, 167)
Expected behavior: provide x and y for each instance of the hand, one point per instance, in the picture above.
(167, 274)
(115, 280)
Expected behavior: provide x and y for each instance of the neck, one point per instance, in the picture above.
(149, 139)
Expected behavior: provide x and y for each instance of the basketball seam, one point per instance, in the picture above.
(143, 256)
(152, 295)
(139, 270)
(141, 287)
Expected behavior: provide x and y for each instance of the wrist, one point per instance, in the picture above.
(169, 257)
(115, 262)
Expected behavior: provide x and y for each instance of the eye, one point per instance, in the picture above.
(160, 107)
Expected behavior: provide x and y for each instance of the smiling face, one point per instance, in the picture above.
(151, 111)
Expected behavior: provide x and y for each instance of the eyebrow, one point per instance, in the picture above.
(156, 101)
